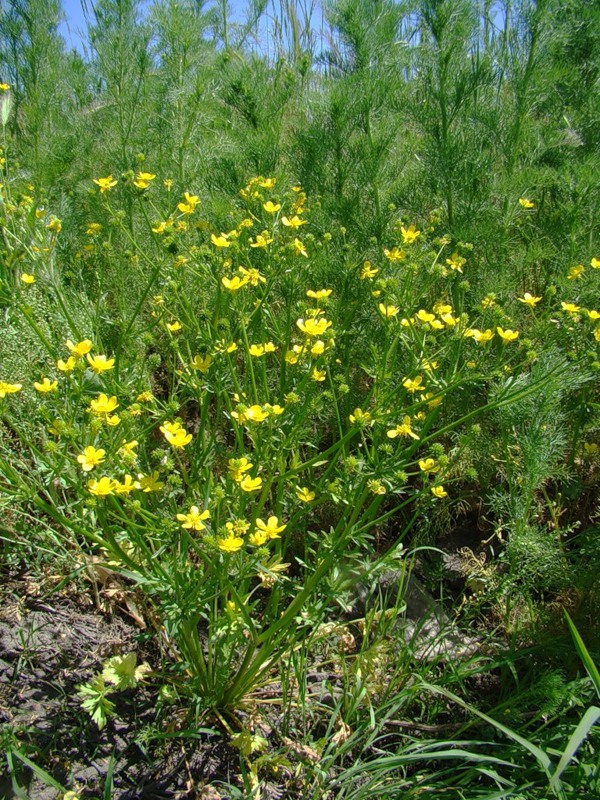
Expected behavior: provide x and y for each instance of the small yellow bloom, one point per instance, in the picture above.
(320, 294)
(102, 487)
(507, 335)
(570, 308)
(168, 183)
(456, 262)
(220, 241)
(55, 225)
(4, 87)
(409, 235)
(360, 418)
(127, 449)
(193, 520)
(230, 544)
(429, 465)
(395, 254)
(90, 458)
(100, 364)
(202, 363)
(103, 404)
(424, 316)
(593, 314)
(270, 207)
(481, 337)
(314, 327)
(175, 434)
(66, 366)
(45, 386)
(415, 385)
(525, 203)
(271, 527)
(439, 491)
(188, 206)
(304, 494)
(575, 272)
(27, 278)
(388, 311)
(299, 248)
(318, 348)
(529, 300)
(9, 388)
(595, 263)
(93, 228)
(105, 184)
(262, 240)
(238, 467)
(294, 222)
(143, 180)
(233, 284)
(249, 484)
(149, 483)
(174, 327)
(80, 349)
(128, 485)
(376, 487)
(318, 374)
(367, 272)
(404, 429)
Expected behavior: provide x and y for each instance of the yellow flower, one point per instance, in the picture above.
(294, 222)
(318, 374)
(103, 405)
(193, 520)
(256, 413)
(299, 248)
(55, 225)
(127, 449)
(190, 203)
(404, 429)
(45, 386)
(249, 484)
(230, 544)
(415, 385)
(360, 418)
(90, 458)
(529, 300)
(66, 366)
(80, 349)
(93, 228)
(175, 434)
(304, 494)
(149, 483)
(127, 486)
(233, 284)
(271, 208)
(449, 320)
(525, 203)
(439, 491)
(252, 276)
(489, 301)
(220, 241)
(424, 316)
(100, 364)
(4, 87)
(174, 327)
(143, 180)
(507, 335)
(409, 235)
(105, 184)
(276, 409)
(456, 262)
(27, 278)
(145, 397)
(318, 348)
(595, 263)
(388, 311)
(113, 420)
(368, 271)
(168, 183)
(376, 487)
(596, 337)
(238, 467)
(571, 308)
(257, 538)
(575, 272)
(271, 527)
(103, 487)
(481, 337)
(428, 465)
(262, 240)
(395, 254)
(320, 294)
(314, 327)
(202, 363)
(9, 388)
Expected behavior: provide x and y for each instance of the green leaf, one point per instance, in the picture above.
(589, 719)
(588, 662)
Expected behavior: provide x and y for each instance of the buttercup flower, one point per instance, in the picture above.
(66, 366)
(320, 294)
(570, 308)
(127, 449)
(231, 543)
(456, 262)
(294, 222)
(188, 206)
(80, 349)
(388, 311)
(575, 272)
(409, 235)
(507, 335)
(314, 327)
(220, 241)
(193, 520)
(529, 300)
(270, 207)
(439, 491)
(304, 494)
(90, 458)
(105, 184)
(404, 429)
(27, 278)
(238, 468)
(102, 487)
(395, 254)
(103, 404)
(525, 203)
(149, 483)
(414, 385)
(45, 386)
(429, 465)
(143, 179)
(9, 388)
(202, 363)
(100, 363)
(175, 434)
(249, 484)
(272, 528)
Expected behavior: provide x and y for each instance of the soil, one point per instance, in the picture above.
(48, 647)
